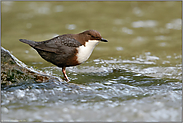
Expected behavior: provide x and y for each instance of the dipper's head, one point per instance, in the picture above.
(91, 35)
(89, 39)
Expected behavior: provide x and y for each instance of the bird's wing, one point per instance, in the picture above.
(58, 44)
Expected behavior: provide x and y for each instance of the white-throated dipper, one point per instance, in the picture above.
(68, 49)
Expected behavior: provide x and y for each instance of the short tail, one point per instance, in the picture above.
(31, 43)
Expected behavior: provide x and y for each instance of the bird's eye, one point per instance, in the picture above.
(92, 36)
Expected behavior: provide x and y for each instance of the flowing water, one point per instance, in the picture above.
(136, 76)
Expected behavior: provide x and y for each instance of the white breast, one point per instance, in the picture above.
(84, 52)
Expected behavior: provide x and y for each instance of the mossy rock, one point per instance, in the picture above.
(14, 72)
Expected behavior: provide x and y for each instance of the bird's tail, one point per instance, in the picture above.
(31, 43)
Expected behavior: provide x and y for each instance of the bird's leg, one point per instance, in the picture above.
(64, 72)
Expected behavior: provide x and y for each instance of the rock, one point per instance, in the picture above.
(14, 72)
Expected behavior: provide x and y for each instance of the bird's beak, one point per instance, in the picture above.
(104, 40)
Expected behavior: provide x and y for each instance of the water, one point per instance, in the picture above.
(136, 76)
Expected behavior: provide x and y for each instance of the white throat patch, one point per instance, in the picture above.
(84, 52)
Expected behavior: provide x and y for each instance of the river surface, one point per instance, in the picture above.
(136, 76)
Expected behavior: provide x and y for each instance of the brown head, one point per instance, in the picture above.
(90, 35)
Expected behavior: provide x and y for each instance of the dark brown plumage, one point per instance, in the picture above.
(62, 50)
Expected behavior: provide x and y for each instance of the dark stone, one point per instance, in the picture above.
(14, 73)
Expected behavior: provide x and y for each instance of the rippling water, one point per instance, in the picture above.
(136, 76)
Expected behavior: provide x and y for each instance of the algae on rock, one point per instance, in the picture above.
(14, 72)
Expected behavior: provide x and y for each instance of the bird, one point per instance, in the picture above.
(68, 49)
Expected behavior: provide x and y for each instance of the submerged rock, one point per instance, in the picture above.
(14, 72)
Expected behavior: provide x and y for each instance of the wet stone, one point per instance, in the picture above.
(15, 73)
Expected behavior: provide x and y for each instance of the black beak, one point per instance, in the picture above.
(104, 40)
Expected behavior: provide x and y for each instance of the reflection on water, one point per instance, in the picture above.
(136, 76)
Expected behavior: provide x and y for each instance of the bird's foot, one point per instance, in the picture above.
(65, 75)
(65, 79)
